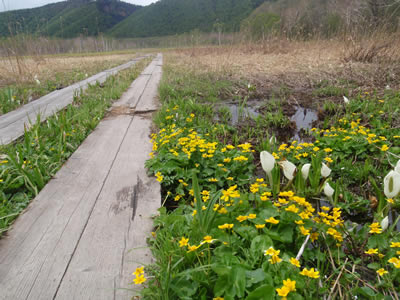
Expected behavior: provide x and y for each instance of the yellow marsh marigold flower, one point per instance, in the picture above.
(241, 218)
(223, 210)
(375, 228)
(382, 272)
(227, 160)
(159, 176)
(183, 242)
(241, 158)
(290, 284)
(213, 180)
(395, 245)
(208, 239)
(395, 261)
(193, 248)
(283, 291)
(139, 279)
(275, 259)
(138, 271)
(314, 236)
(252, 216)
(292, 208)
(226, 226)
(272, 220)
(194, 213)
(310, 273)
(295, 262)
(271, 251)
(304, 231)
(371, 251)
(390, 200)
(218, 298)
(259, 226)
(384, 148)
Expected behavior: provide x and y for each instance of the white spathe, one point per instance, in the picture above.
(325, 170)
(288, 169)
(397, 167)
(305, 170)
(391, 184)
(346, 100)
(328, 190)
(267, 161)
(385, 223)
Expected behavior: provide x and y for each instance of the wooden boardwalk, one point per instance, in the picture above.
(12, 124)
(85, 233)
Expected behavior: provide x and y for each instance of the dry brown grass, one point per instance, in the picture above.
(299, 66)
(22, 70)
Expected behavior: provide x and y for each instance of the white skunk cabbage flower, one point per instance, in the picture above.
(267, 161)
(272, 140)
(325, 170)
(397, 167)
(288, 169)
(328, 190)
(305, 170)
(385, 223)
(391, 184)
(346, 100)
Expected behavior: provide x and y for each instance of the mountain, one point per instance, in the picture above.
(66, 19)
(168, 17)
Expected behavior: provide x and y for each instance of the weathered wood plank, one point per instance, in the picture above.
(75, 238)
(12, 124)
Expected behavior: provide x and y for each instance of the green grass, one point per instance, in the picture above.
(27, 165)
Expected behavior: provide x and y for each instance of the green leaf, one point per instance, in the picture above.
(239, 280)
(265, 292)
(260, 243)
(255, 276)
(366, 291)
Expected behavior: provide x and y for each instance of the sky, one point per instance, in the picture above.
(19, 4)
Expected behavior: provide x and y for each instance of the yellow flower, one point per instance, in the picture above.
(252, 216)
(390, 200)
(271, 251)
(183, 242)
(314, 236)
(290, 284)
(272, 220)
(384, 148)
(138, 271)
(241, 158)
(304, 231)
(292, 208)
(227, 160)
(260, 226)
(275, 259)
(328, 159)
(395, 245)
(218, 298)
(310, 273)
(395, 261)
(193, 248)
(208, 239)
(159, 177)
(226, 226)
(241, 218)
(213, 180)
(139, 279)
(295, 262)
(194, 213)
(315, 149)
(371, 251)
(382, 272)
(283, 291)
(375, 228)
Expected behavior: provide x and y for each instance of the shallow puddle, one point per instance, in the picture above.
(303, 118)
(239, 112)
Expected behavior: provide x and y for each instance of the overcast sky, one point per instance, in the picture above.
(18, 4)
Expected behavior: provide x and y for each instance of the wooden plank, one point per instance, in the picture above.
(12, 124)
(99, 266)
(35, 255)
(74, 240)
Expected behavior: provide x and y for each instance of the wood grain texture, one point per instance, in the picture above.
(84, 234)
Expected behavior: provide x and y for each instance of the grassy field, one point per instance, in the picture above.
(279, 172)
(24, 79)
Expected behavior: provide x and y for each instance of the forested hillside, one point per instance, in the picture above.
(168, 17)
(66, 19)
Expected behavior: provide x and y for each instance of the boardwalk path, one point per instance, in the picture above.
(76, 238)
(12, 123)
